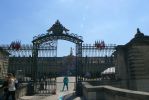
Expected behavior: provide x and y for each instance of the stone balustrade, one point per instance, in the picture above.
(105, 92)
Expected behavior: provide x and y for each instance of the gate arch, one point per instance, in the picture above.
(56, 32)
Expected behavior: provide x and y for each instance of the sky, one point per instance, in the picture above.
(114, 21)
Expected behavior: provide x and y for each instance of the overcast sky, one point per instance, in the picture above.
(114, 21)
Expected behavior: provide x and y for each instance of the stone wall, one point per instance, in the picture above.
(3, 64)
(138, 62)
(121, 69)
(104, 92)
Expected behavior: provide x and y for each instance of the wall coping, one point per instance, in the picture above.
(116, 91)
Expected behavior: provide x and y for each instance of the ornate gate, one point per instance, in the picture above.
(56, 32)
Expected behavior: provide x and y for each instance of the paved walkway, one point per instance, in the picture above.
(65, 95)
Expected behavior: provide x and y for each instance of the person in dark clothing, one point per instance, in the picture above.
(65, 81)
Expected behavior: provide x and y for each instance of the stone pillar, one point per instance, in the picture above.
(121, 68)
(138, 61)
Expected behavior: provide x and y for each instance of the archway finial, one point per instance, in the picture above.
(57, 28)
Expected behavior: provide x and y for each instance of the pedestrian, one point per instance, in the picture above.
(11, 87)
(42, 85)
(46, 84)
(65, 82)
(5, 88)
(88, 75)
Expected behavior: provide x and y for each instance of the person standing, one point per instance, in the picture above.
(11, 87)
(65, 81)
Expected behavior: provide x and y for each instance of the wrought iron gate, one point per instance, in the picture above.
(96, 59)
(56, 32)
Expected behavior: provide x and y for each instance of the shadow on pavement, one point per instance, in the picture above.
(71, 96)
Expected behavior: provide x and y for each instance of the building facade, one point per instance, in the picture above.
(4, 56)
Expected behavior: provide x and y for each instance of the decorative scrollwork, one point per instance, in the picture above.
(57, 28)
(49, 44)
(35, 37)
(38, 36)
(42, 35)
(75, 35)
(80, 37)
(72, 34)
(56, 31)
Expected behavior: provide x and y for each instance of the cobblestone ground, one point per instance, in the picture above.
(60, 95)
